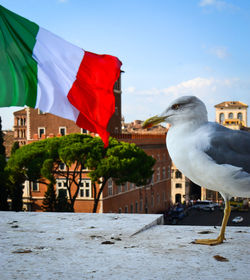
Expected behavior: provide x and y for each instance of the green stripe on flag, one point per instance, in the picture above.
(18, 70)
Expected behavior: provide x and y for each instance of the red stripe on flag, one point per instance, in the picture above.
(92, 92)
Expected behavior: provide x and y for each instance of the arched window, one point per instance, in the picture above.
(222, 117)
(230, 115)
(178, 174)
(239, 116)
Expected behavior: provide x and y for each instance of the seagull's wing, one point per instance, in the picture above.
(229, 146)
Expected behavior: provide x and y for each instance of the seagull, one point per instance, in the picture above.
(209, 154)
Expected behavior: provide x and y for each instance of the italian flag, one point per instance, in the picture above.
(41, 70)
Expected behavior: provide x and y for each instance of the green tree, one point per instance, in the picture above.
(69, 159)
(24, 164)
(123, 162)
(16, 188)
(49, 201)
(3, 183)
(62, 204)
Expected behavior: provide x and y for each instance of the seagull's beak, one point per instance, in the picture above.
(153, 121)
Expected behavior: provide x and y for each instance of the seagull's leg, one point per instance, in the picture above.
(221, 236)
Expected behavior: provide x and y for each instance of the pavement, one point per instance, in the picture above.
(109, 246)
(214, 218)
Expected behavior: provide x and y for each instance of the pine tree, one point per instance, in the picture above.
(3, 186)
(62, 204)
(49, 201)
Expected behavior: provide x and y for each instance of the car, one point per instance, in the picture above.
(205, 205)
(237, 219)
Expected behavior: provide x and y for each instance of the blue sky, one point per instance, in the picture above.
(168, 48)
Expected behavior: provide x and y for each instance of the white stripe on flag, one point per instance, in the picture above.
(58, 63)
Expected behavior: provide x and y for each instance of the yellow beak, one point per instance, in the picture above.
(153, 121)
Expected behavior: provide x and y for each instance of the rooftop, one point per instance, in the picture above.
(111, 246)
(231, 104)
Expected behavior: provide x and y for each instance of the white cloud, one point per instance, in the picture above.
(220, 52)
(218, 4)
(188, 87)
(130, 89)
(197, 86)
(141, 104)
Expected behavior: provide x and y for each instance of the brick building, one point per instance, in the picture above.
(33, 125)
(151, 198)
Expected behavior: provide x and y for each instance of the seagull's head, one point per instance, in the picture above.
(181, 110)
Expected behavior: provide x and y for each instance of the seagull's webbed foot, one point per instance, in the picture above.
(221, 236)
(210, 242)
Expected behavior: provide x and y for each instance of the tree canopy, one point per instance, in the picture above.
(123, 162)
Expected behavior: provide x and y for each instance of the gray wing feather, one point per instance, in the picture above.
(229, 146)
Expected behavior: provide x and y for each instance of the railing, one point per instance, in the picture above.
(138, 136)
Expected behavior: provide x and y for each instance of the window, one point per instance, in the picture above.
(178, 198)
(158, 199)
(62, 166)
(178, 174)
(131, 208)
(169, 171)
(158, 174)
(239, 116)
(110, 187)
(152, 201)
(141, 205)
(85, 189)
(152, 179)
(116, 111)
(61, 186)
(119, 188)
(41, 131)
(136, 207)
(62, 130)
(164, 172)
(230, 115)
(164, 196)
(178, 186)
(35, 186)
(126, 186)
(221, 117)
(84, 131)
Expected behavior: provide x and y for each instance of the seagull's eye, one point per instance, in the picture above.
(176, 106)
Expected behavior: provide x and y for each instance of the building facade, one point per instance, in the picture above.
(179, 186)
(232, 114)
(151, 198)
(154, 197)
(33, 125)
